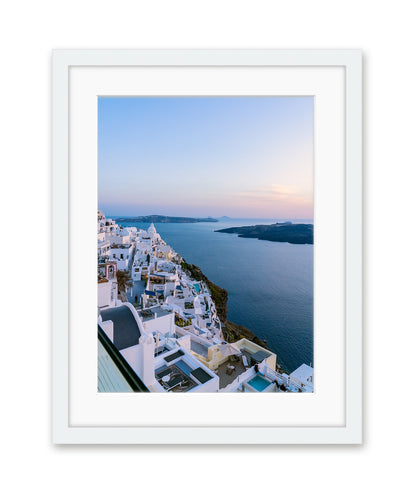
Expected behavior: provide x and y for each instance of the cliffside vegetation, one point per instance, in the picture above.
(124, 280)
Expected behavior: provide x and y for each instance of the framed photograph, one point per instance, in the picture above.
(207, 247)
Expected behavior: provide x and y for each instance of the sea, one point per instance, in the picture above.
(269, 284)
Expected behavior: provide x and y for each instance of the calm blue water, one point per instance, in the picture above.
(269, 284)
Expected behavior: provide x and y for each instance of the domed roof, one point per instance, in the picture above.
(151, 229)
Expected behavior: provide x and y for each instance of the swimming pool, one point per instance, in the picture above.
(197, 288)
(259, 383)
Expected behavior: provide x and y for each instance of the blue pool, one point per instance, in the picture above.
(259, 383)
(197, 288)
(183, 366)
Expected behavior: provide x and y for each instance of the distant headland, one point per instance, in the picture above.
(285, 232)
(163, 219)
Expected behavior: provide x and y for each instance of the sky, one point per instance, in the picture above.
(241, 157)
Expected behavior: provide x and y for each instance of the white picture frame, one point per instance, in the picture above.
(98, 72)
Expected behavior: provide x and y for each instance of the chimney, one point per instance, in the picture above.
(146, 354)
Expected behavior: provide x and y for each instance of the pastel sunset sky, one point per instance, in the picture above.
(244, 157)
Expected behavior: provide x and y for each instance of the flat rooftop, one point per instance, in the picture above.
(149, 313)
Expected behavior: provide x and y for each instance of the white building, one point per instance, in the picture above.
(303, 375)
(121, 253)
(103, 246)
(174, 340)
(107, 285)
(159, 361)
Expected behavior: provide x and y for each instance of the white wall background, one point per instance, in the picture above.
(384, 465)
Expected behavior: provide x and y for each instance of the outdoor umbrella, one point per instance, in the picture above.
(229, 349)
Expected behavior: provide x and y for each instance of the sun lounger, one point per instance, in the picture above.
(245, 362)
(176, 380)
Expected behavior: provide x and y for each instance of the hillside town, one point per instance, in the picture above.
(158, 328)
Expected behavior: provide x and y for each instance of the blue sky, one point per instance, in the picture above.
(206, 156)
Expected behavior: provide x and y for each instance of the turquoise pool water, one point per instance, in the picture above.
(259, 383)
(197, 288)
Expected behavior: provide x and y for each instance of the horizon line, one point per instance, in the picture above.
(210, 216)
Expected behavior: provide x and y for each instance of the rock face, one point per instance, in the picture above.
(279, 232)
(163, 219)
(232, 331)
(235, 332)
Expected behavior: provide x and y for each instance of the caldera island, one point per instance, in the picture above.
(284, 232)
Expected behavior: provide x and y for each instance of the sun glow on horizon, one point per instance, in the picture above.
(243, 157)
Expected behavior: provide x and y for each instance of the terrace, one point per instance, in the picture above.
(157, 279)
(136, 290)
(152, 313)
(230, 370)
(255, 354)
(120, 246)
(255, 382)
